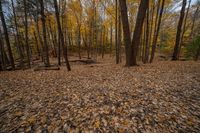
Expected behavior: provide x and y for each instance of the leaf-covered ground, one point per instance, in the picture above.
(161, 97)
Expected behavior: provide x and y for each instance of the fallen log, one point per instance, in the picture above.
(88, 61)
(40, 68)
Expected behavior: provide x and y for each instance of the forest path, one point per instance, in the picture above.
(158, 97)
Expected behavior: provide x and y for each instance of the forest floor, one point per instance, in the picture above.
(159, 97)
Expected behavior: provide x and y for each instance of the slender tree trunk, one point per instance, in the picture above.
(61, 37)
(157, 30)
(37, 45)
(2, 55)
(38, 32)
(26, 34)
(193, 22)
(111, 34)
(54, 41)
(126, 31)
(6, 37)
(102, 42)
(116, 33)
(179, 31)
(151, 24)
(17, 33)
(142, 42)
(79, 41)
(47, 63)
(184, 29)
(146, 59)
(86, 44)
(119, 38)
(138, 30)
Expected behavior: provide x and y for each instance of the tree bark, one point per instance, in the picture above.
(126, 31)
(119, 38)
(138, 30)
(179, 31)
(2, 55)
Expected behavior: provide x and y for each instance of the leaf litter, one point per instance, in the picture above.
(161, 97)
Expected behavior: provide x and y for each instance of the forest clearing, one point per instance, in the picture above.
(108, 66)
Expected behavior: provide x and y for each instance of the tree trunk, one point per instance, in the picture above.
(184, 28)
(17, 34)
(126, 31)
(111, 34)
(54, 41)
(146, 59)
(38, 32)
(156, 31)
(179, 31)
(2, 57)
(151, 24)
(79, 41)
(119, 38)
(116, 33)
(37, 45)
(26, 34)
(138, 30)
(61, 37)
(6, 37)
(47, 63)
(193, 22)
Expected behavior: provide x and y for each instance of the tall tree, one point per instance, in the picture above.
(184, 27)
(116, 32)
(194, 20)
(46, 61)
(26, 34)
(179, 31)
(146, 58)
(17, 36)
(6, 37)
(61, 37)
(126, 31)
(157, 29)
(138, 30)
